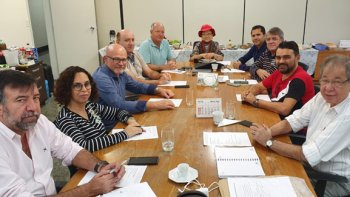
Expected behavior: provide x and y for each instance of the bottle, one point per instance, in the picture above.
(29, 53)
(229, 44)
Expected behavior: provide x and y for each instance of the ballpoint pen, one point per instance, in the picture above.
(122, 164)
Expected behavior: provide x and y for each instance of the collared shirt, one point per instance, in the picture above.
(152, 54)
(266, 62)
(327, 145)
(22, 176)
(135, 65)
(254, 52)
(112, 90)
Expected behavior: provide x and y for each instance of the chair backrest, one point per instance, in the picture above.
(194, 43)
(304, 66)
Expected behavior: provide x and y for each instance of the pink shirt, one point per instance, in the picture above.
(22, 176)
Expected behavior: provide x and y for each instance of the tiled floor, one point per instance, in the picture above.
(50, 109)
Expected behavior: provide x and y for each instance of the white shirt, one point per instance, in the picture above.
(22, 176)
(327, 145)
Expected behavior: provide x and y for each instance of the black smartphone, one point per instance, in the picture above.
(246, 123)
(182, 86)
(143, 160)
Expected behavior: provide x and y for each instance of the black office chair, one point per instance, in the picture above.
(194, 43)
(303, 65)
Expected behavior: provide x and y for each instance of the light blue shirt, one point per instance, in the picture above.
(152, 54)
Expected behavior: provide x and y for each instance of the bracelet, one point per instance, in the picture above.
(99, 165)
(256, 103)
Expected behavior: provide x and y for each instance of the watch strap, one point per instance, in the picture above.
(99, 165)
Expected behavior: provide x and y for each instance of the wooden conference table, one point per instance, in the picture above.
(189, 146)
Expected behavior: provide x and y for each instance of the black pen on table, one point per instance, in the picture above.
(141, 128)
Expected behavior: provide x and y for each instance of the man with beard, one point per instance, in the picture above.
(28, 141)
(290, 87)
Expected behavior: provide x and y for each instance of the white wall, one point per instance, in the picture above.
(36, 10)
(328, 21)
(16, 28)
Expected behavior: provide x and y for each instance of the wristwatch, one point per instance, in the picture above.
(99, 165)
(269, 143)
(256, 103)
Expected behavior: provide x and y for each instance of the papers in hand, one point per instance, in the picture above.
(249, 81)
(234, 161)
(263, 97)
(226, 139)
(267, 186)
(133, 175)
(174, 83)
(150, 132)
(176, 71)
(177, 102)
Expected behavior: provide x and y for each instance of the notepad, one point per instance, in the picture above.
(239, 162)
(226, 139)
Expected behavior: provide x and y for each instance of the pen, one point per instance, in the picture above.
(123, 163)
(141, 128)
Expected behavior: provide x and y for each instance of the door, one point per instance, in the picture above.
(75, 34)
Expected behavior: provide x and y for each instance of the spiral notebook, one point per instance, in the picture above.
(238, 161)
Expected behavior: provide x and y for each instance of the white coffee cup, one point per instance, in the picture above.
(182, 170)
(214, 67)
(218, 116)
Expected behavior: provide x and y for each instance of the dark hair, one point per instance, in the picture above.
(262, 28)
(276, 31)
(335, 61)
(63, 87)
(289, 45)
(14, 79)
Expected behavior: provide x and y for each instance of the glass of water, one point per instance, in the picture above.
(168, 138)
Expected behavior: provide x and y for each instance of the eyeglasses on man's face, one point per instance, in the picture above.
(335, 83)
(79, 86)
(117, 60)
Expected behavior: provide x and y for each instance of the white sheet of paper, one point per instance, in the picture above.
(264, 97)
(250, 81)
(226, 63)
(223, 78)
(150, 133)
(226, 139)
(176, 71)
(177, 102)
(174, 83)
(226, 122)
(140, 189)
(232, 70)
(272, 187)
(133, 175)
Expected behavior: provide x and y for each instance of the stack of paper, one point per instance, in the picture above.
(238, 162)
(226, 139)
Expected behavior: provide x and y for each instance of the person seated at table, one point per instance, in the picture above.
(206, 48)
(327, 117)
(112, 83)
(136, 66)
(156, 51)
(265, 65)
(28, 141)
(81, 118)
(290, 86)
(258, 37)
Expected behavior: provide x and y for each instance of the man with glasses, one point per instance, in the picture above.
(28, 141)
(136, 66)
(265, 65)
(290, 86)
(327, 117)
(112, 83)
(258, 37)
(156, 51)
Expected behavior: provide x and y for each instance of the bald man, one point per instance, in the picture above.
(136, 66)
(112, 83)
(156, 51)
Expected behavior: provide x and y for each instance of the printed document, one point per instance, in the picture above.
(177, 102)
(226, 139)
(150, 132)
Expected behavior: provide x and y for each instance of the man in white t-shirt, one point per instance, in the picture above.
(28, 141)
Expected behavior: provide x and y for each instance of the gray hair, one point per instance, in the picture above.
(336, 61)
(156, 24)
(276, 31)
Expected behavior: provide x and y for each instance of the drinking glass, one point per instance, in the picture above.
(230, 110)
(168, 138)
(189, 97)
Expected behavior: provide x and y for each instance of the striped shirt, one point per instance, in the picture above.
(92, 134)
(266, 62)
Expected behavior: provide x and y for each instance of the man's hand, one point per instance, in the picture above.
(165, 93)
(163, 104)
(260, 133)
(104, 181)
(236, 64)
(248, 97)
(164, 78)
(263, 74)
(171, 65)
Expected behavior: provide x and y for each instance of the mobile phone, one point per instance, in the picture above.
(182, 86)
(143, 160)
(240, 82)
(245, 123)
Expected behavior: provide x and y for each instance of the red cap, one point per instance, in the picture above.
(206, 27)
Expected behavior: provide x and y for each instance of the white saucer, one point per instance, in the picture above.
(191, 175)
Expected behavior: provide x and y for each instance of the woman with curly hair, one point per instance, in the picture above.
(81, 118)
